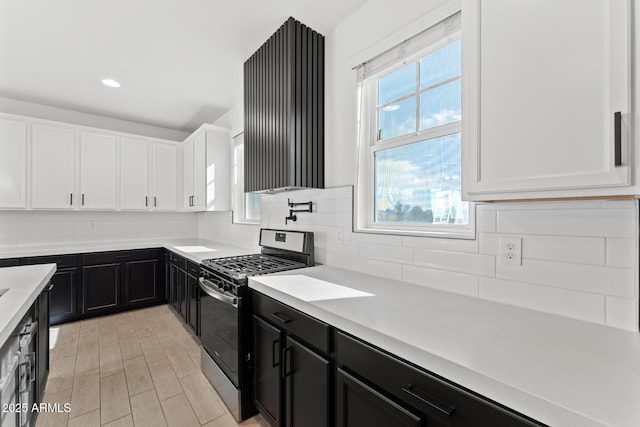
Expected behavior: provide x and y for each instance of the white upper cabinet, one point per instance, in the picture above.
(547, 99)
(187, 174)
(13, 163)
(98, 170)
(53, 167)
(206, 170)
(134, 174)
(164, 179)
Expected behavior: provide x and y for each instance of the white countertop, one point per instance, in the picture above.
(192, 248)
(24, 284)
(560, 371)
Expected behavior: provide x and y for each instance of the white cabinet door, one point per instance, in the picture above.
(53, 167)
(200, 171)
(13, 163)
(187, 171)
(164, 176)
(543, 82)
(134, 174)
(98, 167)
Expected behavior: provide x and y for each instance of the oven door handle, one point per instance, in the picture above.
(210, 289)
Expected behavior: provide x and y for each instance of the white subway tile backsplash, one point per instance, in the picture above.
(578, 250)
(578, 305)
(621, 253)
(483, 265)
(569, 222)
(585, 278)
(486, 219)
(390, 270)
(622, 313)
(454, 245)
(466, 284)
(385, 252)
(579, 257)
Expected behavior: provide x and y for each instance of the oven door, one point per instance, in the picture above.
(219, 326)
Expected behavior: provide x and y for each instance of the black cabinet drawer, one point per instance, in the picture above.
(193, 268)
(119, 256)
(178, 260)
(298, 324)
(11, 262)
(430, 395)
(62, 261)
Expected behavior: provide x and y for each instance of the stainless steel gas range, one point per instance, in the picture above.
(225, 311)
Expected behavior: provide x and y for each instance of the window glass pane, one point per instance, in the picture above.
(251, 206)
(420, 183)
(397, 119)
(441, 105)
(441, 64)
(397, 84)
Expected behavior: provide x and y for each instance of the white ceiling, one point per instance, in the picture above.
(179, 62)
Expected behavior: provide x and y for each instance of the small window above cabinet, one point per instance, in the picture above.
(207, 170)
(547, 99)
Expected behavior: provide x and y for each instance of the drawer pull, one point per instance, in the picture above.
(274, 346)
(123, 256)
(281, 318)
(441, 409)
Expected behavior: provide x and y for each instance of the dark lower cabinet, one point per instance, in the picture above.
(120, 280)
(141, 282)
(359, 405)
(409, 396)
(64, 295)
(12, 262)
(307, 380)
(100, 288)
(292, 380)
(266, 369)
(193, 301)
(183, 290)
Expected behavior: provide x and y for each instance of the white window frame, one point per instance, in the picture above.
(364, 212)
(238, 195)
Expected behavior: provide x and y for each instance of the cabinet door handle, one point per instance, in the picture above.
(82, 199)
(439, 408)
(274, 345)
(617, 135)
(155, 201)
(146, 201)
(288, 366)
(281, 318)
(71, 199)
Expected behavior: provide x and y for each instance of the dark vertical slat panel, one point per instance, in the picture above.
(247, 114)
(261, 118)
(314, 104)
(291, 87)
(299, 105)
(320, 119)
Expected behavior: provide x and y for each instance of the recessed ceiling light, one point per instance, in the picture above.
(110, 83)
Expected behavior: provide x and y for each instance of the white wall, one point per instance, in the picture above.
(12, 106)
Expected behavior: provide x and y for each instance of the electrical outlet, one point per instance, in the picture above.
(339, 236)
(511, 250)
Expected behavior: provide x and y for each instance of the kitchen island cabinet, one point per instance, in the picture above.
(557, 120)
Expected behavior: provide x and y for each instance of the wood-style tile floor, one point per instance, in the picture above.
(139, 368)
